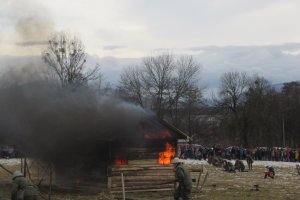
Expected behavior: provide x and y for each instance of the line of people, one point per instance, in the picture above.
(199, 152)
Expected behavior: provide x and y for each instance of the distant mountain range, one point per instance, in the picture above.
(276, 63)
(278, 86)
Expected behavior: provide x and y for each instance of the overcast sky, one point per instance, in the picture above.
(239, 30)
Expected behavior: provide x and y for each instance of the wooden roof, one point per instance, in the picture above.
(179, 134)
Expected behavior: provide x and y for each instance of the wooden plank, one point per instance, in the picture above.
(109, 183)
(143, 166)
(143, 173)
(137, 187)
(123, 168)
(145, 190)
(129, 184)
(143, 162)
(141, 178)
(130, 168)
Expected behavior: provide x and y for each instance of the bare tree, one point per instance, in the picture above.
(290, 108)
(232, 99)
(157, 78)
(189, 113)
(66, 57)
(168, 86)
(184, 83)
(257, 113)
(233, 87)
(131, 84)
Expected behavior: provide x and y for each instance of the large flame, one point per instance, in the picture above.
(164, 158)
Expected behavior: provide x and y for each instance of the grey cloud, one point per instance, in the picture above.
(106, 34)
(31, 43)
(287, 46)
(113, 47)
(268, 61)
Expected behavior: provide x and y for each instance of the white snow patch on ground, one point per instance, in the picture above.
(255, 163)
(12, 161)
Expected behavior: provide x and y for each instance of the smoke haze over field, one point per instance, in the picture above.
(62, 125)
(28, 24)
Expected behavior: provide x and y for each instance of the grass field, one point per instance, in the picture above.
(220, 185)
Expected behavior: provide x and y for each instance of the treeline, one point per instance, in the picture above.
(252, 113)
(247, 110)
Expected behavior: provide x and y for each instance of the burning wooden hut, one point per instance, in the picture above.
(156, 143)
(145, 164)
(143, 159)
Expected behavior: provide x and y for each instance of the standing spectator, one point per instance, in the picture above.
(249, 161)
(185, 182)
(288, 155)
(298, 169)
(296, 155)
(204, 153)
(273, 154)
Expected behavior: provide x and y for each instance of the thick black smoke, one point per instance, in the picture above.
(73, 129)
(70, 128)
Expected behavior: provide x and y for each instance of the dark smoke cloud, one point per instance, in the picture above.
(64, 126)
(34, 26)
(31, 20)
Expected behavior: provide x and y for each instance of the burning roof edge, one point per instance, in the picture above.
(174, 129)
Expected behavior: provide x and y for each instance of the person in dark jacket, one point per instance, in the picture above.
(185, 182)
(20, 184)
(249, 162)
(228, 166)
(269, 172)
(298, 169)
(239, 165)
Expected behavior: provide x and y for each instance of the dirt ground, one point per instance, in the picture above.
(219, 185)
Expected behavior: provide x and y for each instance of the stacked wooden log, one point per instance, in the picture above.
(141, 177)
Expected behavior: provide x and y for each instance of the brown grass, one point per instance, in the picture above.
(220, 185)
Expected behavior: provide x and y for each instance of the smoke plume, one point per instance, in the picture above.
(65, 126)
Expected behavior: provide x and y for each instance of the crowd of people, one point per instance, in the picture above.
(199, 152)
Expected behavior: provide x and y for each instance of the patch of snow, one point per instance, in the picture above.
(12, 161)
(276, 163)
(255, 163)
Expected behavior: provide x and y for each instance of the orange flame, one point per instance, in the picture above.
(121, 162)
(164, 158)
